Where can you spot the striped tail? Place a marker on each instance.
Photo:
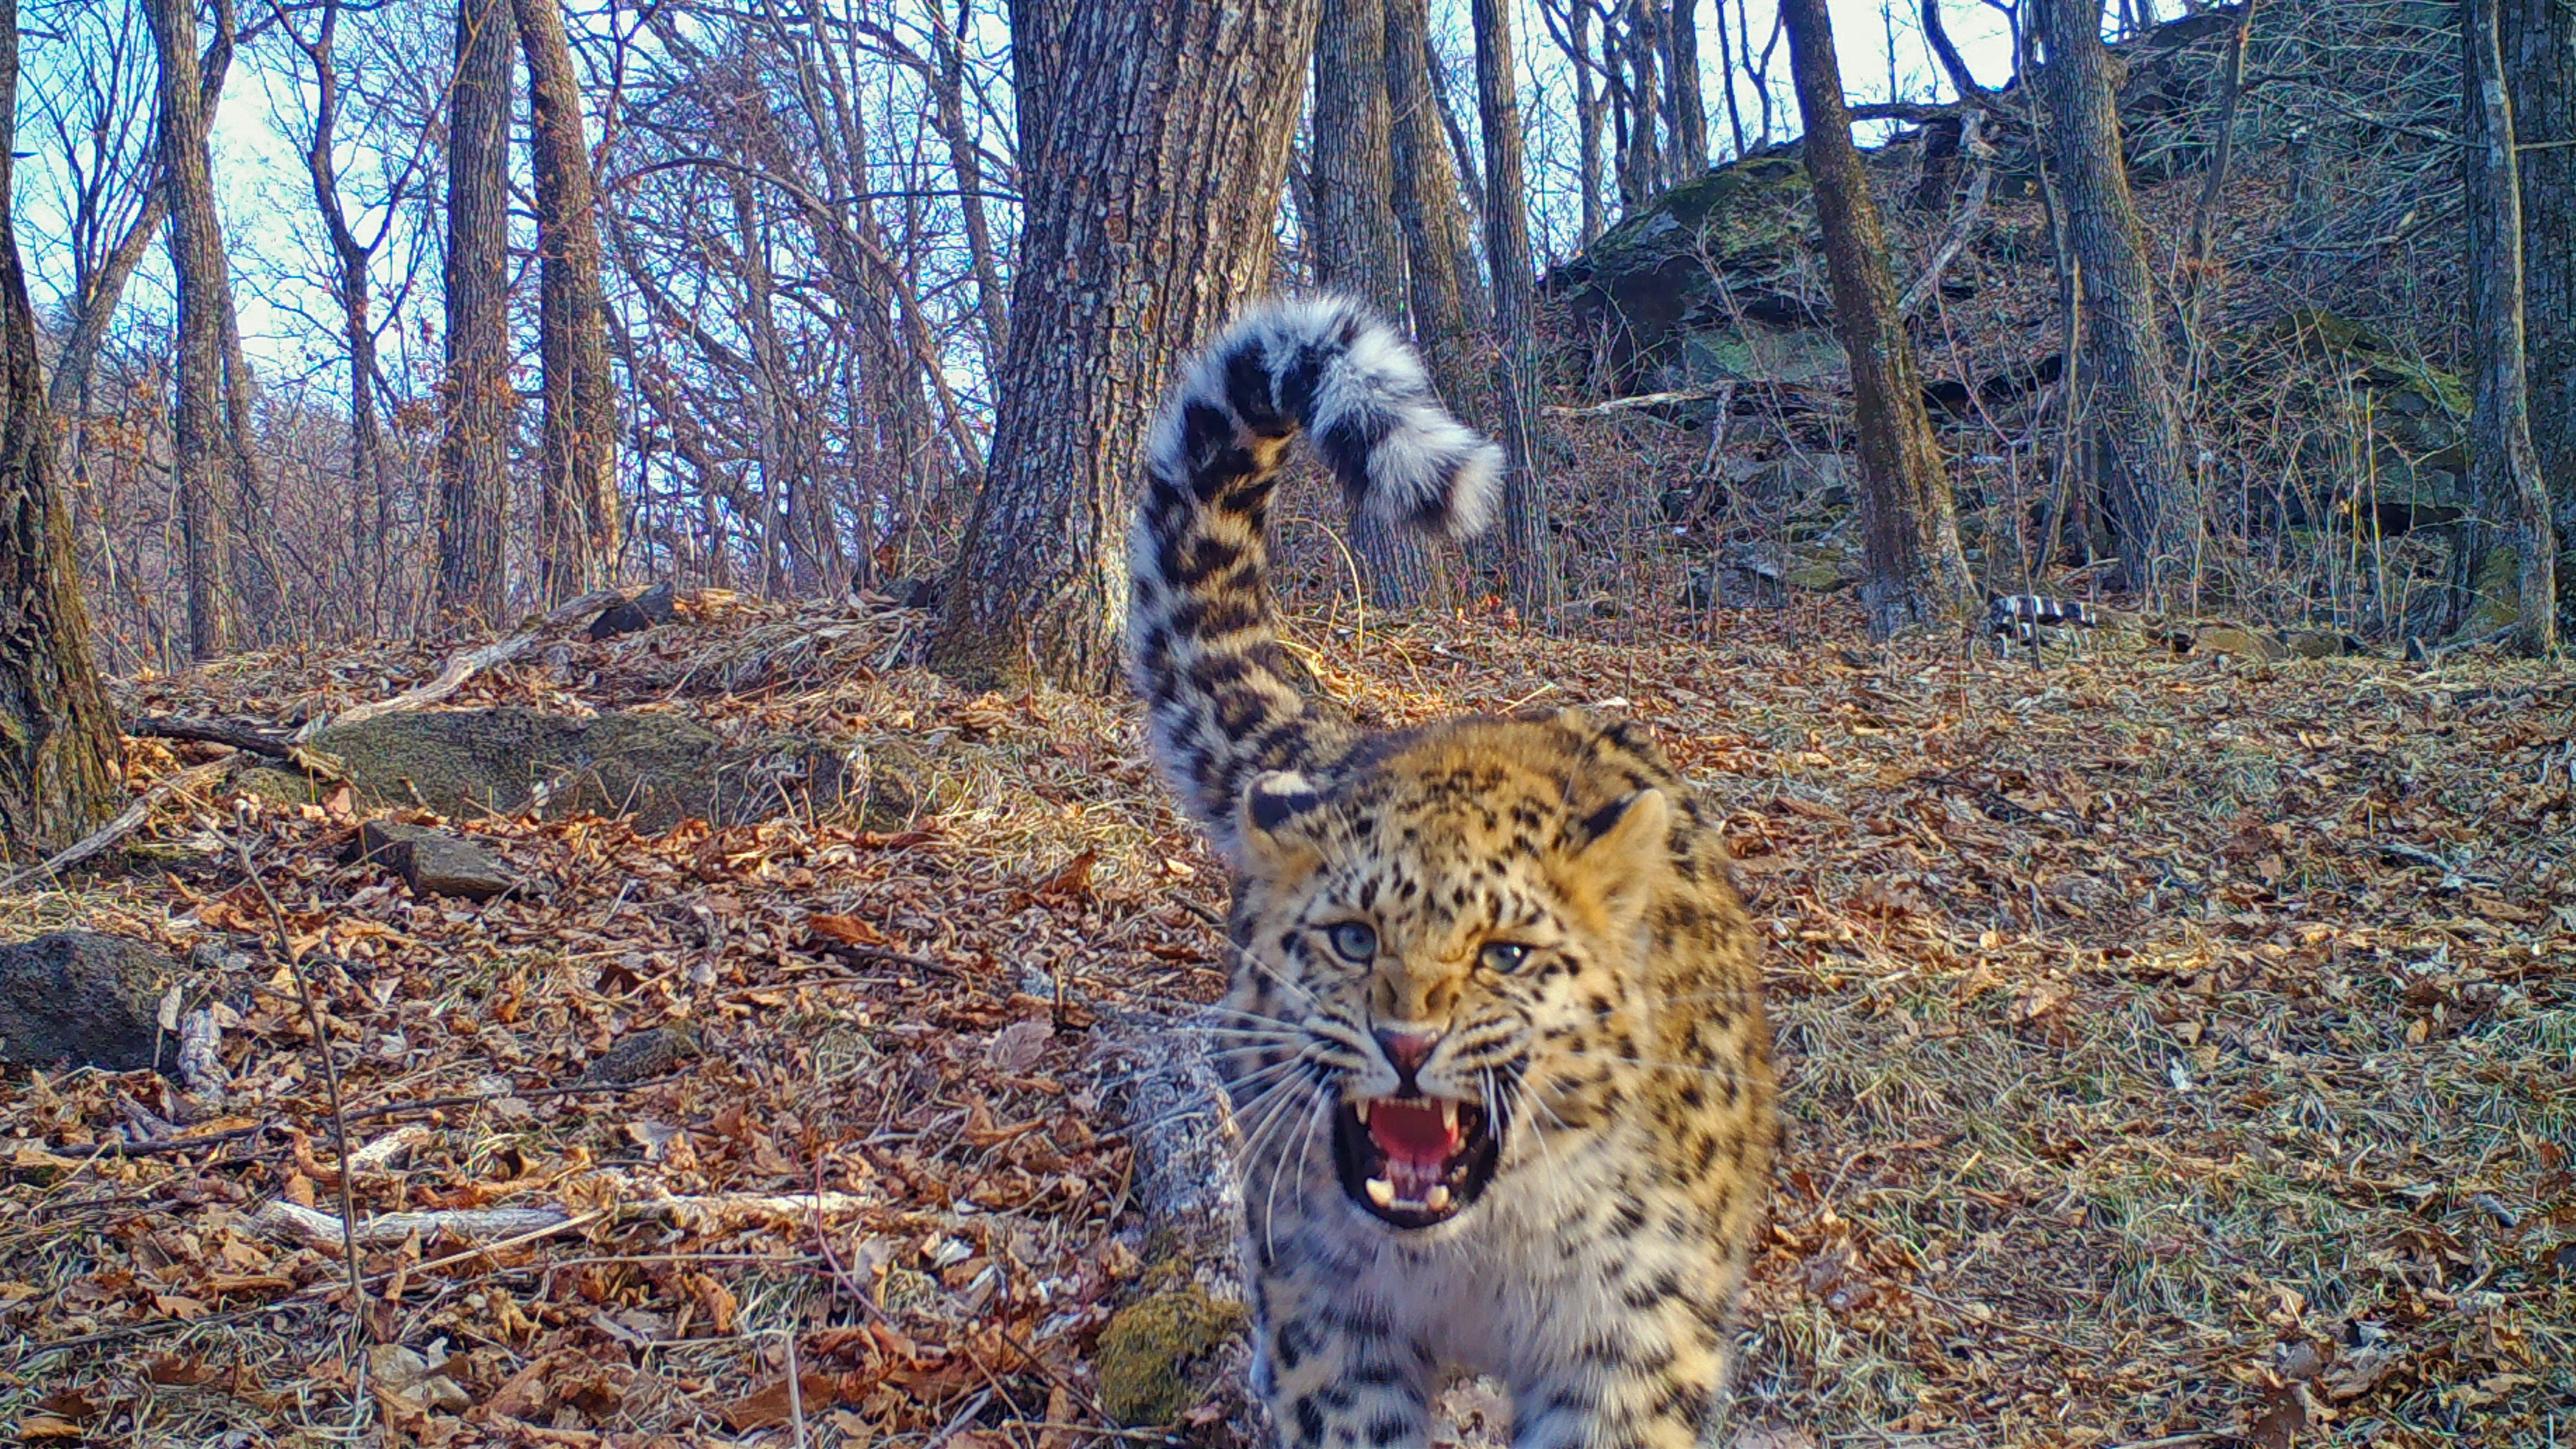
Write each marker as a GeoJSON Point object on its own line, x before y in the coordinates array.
{"type": "Point", "coordinates": [1202, 649]}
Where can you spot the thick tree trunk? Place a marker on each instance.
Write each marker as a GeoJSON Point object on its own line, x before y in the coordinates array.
{"type": "Point", "coordinates": [2511, 503]}
{"type": "Point", "coordinates": [58, 739]}
{"type": "Point", "coordinates": [1357, 248]}
{"type": "Point", "coordinates": [1155, 138]}
{"type": "Point", "coordinates": [1449, 303]}
{"type": "Point", "coordinates": [197, 260]}
{"type": "Point", "coordinates": [474, 465]}
{"type": "Point", "coordinates": [2538, 38]}
{"type": "Point", "coordinates": [1528, 544]}
{"type": "Point", "coordinates": [1682, 82]}
{"type": "Point", "coordinates": [1917, 573]}
{"type": "Point", "coordinates": [577, 506]}
{"type": "Point", "coordinates": [2132, 413]}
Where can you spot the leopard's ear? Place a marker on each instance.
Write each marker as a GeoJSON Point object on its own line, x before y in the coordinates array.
{"type": "Point", "coordinates": [1621, 852]}
{"type": "Point", "coordinates": [1267, 823]}
{"type": "Point", "coordinates": [1626, 833]}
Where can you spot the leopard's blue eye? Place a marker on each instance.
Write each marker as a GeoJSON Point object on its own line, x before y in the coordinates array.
{"type": "Point", "coordinates": [1355, 942]}
{"type": "Point", "coordinates": [1505, 955]}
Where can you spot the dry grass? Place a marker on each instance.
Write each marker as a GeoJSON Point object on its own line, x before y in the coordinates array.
{"type": "Point", "coordinates": [2172, 1048]}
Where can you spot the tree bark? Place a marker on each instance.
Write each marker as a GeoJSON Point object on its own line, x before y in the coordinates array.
{"type": "Point", "coordinates": [1449, 304]}
{"type": "Point", "coordinates": [474, 466]}
{"type": "Point", "coordinates": [1155, 139]}
{"type": "Point", "coordinates": [197, 261]}
{"type": "Point", "coordinates": [1528, 544]}
{"type": "Point", "coordinates": [2132, 412]}
{"type": "Point", "coordinates": [1917, 573]}
{"type": "Point", "coordinates": [1682, 81]}
{"type": "Point", "coordinates": [2538, 38]}
{"type": "Point", "coordinates": [2511, 503]}
{"type": "Point", "coordinates": [58, 739]}
{"type": "Point", "coordinates": [1357, 248]}
{"type": "Point", "coordinates": [577, 506]}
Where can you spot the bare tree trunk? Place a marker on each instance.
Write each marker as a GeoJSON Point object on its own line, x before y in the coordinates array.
{"type": "Point", "coordinates": [1529, 546]}
{"type": "Point", "coordinates": [2133, 412]}
{"type": "Point", "coordinates": [2538, 38]}
{"type": "Point", "coordinates": [1681, 75]}
{"type": "Point", "coordinates": [258, 568]}
{"type": "Point", "coordinates": [1726, 77]}
{"type": "Point", "coordinates": [2512, 544]}
{"type": "Point", "coordinates": [197, 260]}
{"type": "Point", "coordinates": [1917, 573]}
{"type": "Point", "coordinates": [58, 739]}
{"type": "Point", "coordinates": [1357, 247]}
{"type": "Point", "coordinates": [474, 469]}
{"type": "Point", "coordinates": [577, 506]}
{"type": "Point", "coordinates": [1155, 138]}
{"type": "Point", "coordinates": [1449, 306]}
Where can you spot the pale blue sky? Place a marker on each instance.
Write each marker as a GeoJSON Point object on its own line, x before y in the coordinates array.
{"type": "Point", "coordinates": [261, 183]}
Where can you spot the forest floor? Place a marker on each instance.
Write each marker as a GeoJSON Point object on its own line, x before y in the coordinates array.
{"type": "Point", "coordinates": [2176, 1051]}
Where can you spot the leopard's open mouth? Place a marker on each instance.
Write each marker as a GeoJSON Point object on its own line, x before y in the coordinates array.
{"type": "Point", "coordinates": [1415, 1161]}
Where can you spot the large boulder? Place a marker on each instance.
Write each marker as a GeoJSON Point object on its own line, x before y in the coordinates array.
{"type": "Point", "coordinates": [1708, 281]}
{"type": "Point", "coordinates": [660, 769]}
{"type": "Point", "coordinates": [82, 998]}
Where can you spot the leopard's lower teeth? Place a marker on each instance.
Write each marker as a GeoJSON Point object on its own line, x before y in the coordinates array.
{"type": "Point", "coordinates": [1437, 1199]}
{"type": "Point", "coordinates": [1381, 1192]}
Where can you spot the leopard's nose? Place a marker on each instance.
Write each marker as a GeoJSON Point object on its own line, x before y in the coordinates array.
{"type": "Point", "coordinates": [1406, 1051]}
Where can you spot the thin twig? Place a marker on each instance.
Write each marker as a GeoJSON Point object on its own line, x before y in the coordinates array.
{"type": "Point", "coordinates": [330, 1084]}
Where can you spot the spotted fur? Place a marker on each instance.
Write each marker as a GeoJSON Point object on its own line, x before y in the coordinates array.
{"type": "Point", "coordinates": [1541, 897]}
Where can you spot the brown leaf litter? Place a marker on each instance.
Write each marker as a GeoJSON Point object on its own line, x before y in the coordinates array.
{"type": "Point", "coordinates": [2174, 1048]}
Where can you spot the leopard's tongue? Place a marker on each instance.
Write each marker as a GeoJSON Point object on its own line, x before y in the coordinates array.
{"type": "Point", "coordinates": [1416, 1135]}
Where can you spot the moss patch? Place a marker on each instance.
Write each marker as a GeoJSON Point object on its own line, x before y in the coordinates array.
{"type": "Point", "coordinates": [1156, 1355]}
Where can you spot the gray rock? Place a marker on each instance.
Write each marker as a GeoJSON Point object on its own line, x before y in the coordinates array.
{"type": "Point", "coordinates": [83, 998]}
{"type": "Point", "coordinates": [626, 616]}
{"type": "Point", "coordinates": [659, 769]}
{"type": "Point", "coordinates": [434, 862]}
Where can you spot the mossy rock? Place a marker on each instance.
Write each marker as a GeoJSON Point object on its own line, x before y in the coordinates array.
{"type": "Point", "coordinates": [1158, 1356]}
{"type": "Point", "coordinates": [658, 769]}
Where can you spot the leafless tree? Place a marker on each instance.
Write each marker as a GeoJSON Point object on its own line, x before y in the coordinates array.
{"type": "Point", "coordinates": [1354, 239]}
{"type": "Point", "coordinates": [2511, 544]}
{"type": "Point", "coordinates": [197, 259]}
{"type": "Point", "coordinates": [1155, 141]}
{"type": "Point", "coordinates": [1529, 547]}
{"type": "Point", "coordinates": [577, 504]}
{"type": "Point", "coordinates": [2134, 438]}
{"type": "Point", "coordinates": [2538, 39]}
{"type": "Point", "coordinates": [58, 739]}
{"type": "Point", "coordinates": [1910, 524]}
{"type": "Point", "coordinates": [474, 469]}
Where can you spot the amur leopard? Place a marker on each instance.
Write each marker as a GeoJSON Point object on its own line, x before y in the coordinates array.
{"type": "Point", "coordinates": [1494, 1042]}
